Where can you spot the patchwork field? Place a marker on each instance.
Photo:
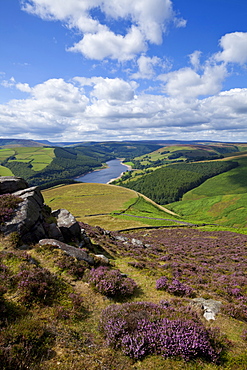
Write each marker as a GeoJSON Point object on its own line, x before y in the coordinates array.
{"type": "Point", "coordinates": [38, 157]}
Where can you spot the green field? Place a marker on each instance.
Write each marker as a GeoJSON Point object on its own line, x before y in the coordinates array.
{"type": "Point", "coordinates": [221, 199]}
{"type": "Point", "coordinates": [4, 171]}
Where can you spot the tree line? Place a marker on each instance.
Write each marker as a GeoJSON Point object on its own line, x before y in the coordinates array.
{"type": "Point", "coordinates": [168, 184]}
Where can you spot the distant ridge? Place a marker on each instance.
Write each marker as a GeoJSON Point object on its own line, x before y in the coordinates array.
{"type": "Point", "coordinates": [11, 143]}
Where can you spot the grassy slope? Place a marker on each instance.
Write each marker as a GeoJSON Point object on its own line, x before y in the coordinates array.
{"type": "Point", "coordinates": [221, 199]}
{"type": "Point", "coordinates": [96, 204]}
{"type": "Point", "coordinates": [4, 171]}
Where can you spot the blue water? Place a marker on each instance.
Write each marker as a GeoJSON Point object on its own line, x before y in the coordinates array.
{"type": "Point", "coordinates": [114, 170]}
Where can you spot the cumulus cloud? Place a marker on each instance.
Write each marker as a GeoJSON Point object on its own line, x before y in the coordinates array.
{"type": "Point", "coordinates": [106, 44]}
{"type": "Point", "coordinates": [187, 83]}
{"type": "Point", "coordinates": [148, 21]}
{"type": "Point", "coordinates": [111, 108]}
{"type": "Point", "coordinates": [146, 67]}
{"type": "Point", "coordinates": [111, 89]}
{"type": "Point", "coordinates": [23, 87]}
{"type": "Point", "coordinates": [234, 47]}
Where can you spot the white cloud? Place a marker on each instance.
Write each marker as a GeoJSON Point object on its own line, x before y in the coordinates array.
{"type": "Point", "coordinates": [187, 83]}
{"type": "Point", "coordinates": [195, 59]}
{"type": "Point", "coordinates": [111, 89]}
{"type": "Point", "coordinates": [234, 47]}
{"type": "Point", "coordinates": [112, 109]}
{"type": "Point", "coordinates": [23, 87]}
{"type": "Point", "coordinates": [148, 18]}
{"type": "Point", "coordinates": [106, 44]}
{"type": "Point", "coordinates": [146, 67]}
{"type": "Point", "coordinates": [8, 83]}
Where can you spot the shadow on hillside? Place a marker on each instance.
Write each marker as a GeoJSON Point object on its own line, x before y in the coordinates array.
{"type": "Point", "coordinates": [239, 179]}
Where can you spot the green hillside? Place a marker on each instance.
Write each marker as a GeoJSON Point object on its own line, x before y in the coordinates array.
{"type": "Point", "coordinates": [108, 206]}
{"type": "Point", "coordinates": [221, 199]}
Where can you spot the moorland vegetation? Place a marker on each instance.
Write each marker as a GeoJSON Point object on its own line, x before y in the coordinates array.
{"type": "Point", "coordinates": [136, 308]}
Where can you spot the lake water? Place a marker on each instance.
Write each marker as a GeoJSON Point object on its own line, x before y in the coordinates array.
{"type": "Point", "coordinates": [113, 171]}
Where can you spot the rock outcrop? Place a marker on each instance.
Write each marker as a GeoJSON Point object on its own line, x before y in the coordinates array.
{"type": "Point", "coordinates": [33, 220]}
{"type": "Point", "coordinates": [10, 184]}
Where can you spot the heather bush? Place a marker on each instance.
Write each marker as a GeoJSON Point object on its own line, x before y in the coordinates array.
{"type": "Point", "coordinates": [37, 285]}
{"type": "Point", "coordinates": [236, 310]}
{"type": "Point", "coordinates": [142, 328]}
{"type": "Point", "coordinates": [174, 287]}
{"type": "Point", "coordinates": [180, 289]}
{"type": "Point", "coordinates": [111, 282]}
{"type": "Point", "coordinates": [8, 204]}
{"type": "Point", "coordinates": [24, 344]}
{"type": "Point", "coordinates": [162, 283]}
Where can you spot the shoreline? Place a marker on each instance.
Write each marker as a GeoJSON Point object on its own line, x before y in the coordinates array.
{"type": "Point", "coordinates": [119, 177]}
{"type": "Point", "coordinates": [129, 168]}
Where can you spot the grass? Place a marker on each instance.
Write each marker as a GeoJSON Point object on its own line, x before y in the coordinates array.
{"type": "Point", "coordinates": [4, 171]}
{"type": "Point", "coordinates": [111, 207]}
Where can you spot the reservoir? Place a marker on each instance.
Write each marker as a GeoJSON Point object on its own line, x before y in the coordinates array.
{"type": "Point", "coordinates": [114, 170]}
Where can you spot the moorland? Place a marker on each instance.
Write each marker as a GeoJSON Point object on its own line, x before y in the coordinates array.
{"type": "Point", "coordinates": [167, 247]}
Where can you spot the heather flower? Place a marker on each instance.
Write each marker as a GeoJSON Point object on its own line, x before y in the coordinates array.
{"type": "Point", "coordinates": [175, 287]}
{"type": "Point", "coordinates": [162, 283]}
{"type": "Point", "coordinates": [180, 289]}
{"type": "Point", "coordinates": [111, 282]}
{"type": "Point", "coordinates": [140, 329]}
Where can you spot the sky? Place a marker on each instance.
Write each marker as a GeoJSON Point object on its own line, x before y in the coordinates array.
{"type": "Point", "coordinates": [103, 70]}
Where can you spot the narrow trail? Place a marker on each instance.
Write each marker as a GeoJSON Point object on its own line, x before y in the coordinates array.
{"type": "Point", "coordinates": [162, 219]}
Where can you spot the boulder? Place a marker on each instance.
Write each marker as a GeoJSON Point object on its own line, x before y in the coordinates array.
{"type": "Point", "coordinates": [77, 253]}
{"type": "Point", "coordinates": [67, 224]}
{"type": "Point", "coordinates": [11, 184]}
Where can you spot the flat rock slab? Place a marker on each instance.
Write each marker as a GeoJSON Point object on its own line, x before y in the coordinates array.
{"type": "Point", "coordinates": [77, 253]}
{"type": "Point", "coordinates": [210, 307]}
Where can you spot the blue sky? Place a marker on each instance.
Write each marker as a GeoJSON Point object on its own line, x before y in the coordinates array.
{"type": "Point", "coordinates": [99, 70]}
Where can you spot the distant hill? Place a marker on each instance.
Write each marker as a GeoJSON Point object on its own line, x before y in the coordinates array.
{"type": "Point", "coordinates": [13, 143]}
